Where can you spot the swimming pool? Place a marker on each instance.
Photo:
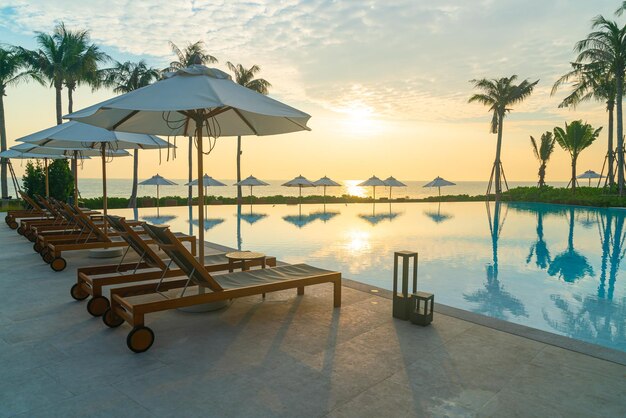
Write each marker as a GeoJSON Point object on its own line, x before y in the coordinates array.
{"type": "Point", "coordinates": [551, 267]}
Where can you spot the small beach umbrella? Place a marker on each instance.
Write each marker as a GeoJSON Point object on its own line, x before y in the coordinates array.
{"type": "Point", "coordinates": [207, 182]}
{"type": "Point", "coordinates": [439, 182]}
{"type": "Point", "coordinates": [251, 181]}
{"type": "Point", "coordinates": [589, 174]}
{"type": "Point", "coordinates": [391, 183]}
{"type": "Point", "coordinates": [79, 136]}
{"type": "Point", "coordinates": [373, 182]}
{"type": "Point", "coordinates": [157, 181]}
{"type": "Point", "coordinates": [326, 182]}
{"type": "Point", "coordinates": [299, 182]}
{"type": "Point", "coordinates": [198, 101]}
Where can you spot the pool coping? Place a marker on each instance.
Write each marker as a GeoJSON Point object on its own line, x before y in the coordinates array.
{"type": "Point", "coordinates": [589, 349]}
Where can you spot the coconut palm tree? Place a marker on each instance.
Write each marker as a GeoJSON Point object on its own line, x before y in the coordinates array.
{"type": "Point", "coordinates": [81, 60]}
{"type": "Point", "coordinates": [574, 139]}
{"type": "Point", "coordinates": [123, 78]}
{"type": "Point", "coordinates": [191, 54]}
{"type": "Point", "coordinates": [592, 81]}
{"type": "Point", "coordinates": [543, 153]}
{"type": "Point", "coordinates": [605, 47]}
{"type": "Point", "coordinates": [499, 95]}
{"type": "Point", "coordinates": [246, 77]}
{"type": "Point", "coordinates": [12, 72]}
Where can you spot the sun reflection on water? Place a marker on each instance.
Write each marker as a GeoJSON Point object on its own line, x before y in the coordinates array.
{"type": "Point", "coordinates": [354, 190]}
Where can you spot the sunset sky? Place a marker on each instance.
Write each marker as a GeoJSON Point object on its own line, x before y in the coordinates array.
{"type": "Point", "coordinates": [386, 83]}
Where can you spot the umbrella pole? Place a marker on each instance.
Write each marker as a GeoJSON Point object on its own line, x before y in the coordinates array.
{"type": "Point", "coordinates": [199, 124]}
{"type": "Point", "coordinates": [104, 187]}
{"type": "Point", "coordinates": [390, 187]}
{"type": "Point", "coordinates": [250, 197]}
{"type": "Point", "coordinates": [76, 178]}
{"type": "Point", "coordinates": [324, 196]}
{"type": "Point", "coordinates": [45, 160]}
{"type": "Point", "coordinates": [374, 187]}
{"type": "Point", "coordinates": [158, 214]}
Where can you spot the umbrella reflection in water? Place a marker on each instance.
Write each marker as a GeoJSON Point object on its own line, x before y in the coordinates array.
{"type": "Point", "coordinates": [438, 216]}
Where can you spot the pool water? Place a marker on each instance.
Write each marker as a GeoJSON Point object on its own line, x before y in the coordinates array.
{"type": "Point", "coordinates": [552, 267]}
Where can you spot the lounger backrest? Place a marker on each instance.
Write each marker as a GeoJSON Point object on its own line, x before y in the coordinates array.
{"type": "Point", "coordinates": [133, 239]}
{"type": "Point", "coordinates": [46, 204]}
{"type": "Point", "coordinates": [26, 198]}
{"type": "Point", "coordinates": [86, 222]}
{"type": "Point", "coordinates": [181, 256]}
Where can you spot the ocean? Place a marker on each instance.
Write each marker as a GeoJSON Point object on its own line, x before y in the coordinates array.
{"type": "Point", "coordinates": [122, 187]}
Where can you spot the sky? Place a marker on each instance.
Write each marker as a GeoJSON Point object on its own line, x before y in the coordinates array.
{"type": "Point", "coordinates": [387, 83]}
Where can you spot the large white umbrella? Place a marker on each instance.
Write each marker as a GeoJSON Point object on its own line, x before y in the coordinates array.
{"type": "Point", "coordinates": [199, 100]}
{"type": "Point", "coordinates": [299, 182]}
{"type": "Point", "coordinates": [157, 181]}
{"type": "Point", "coordinates": [373, 182]}
{"type": "Point", "coordinates": [79, 136]}
{"type": "Point", "coordinates": [251, 181]}
{"type": "Point", "coordinates": [12, 153]}
{"type": "Point", "coordinates": [439, 182]}
{"type": "Point", "coordinates": [75, 154]}
{"type": "Point", "coordinates": [589, 174]}
{"type": "Point", "coordinates": [208, 181]}
{"type": "Point", "coordinates": [391, 182]}
{"type": "Point", "coordinates": [326, 182]}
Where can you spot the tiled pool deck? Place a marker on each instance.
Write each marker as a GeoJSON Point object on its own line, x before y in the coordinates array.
{"type": "Point", "coordinates": [285, 356]}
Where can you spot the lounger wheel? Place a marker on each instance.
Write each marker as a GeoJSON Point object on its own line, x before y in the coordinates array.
{"type": "Point", "coordinates": [37, 247]}
{"type": "Point", "coordinates": [47, 257]}
{"type": "Point", "coordinates": [13, 224]}
{"type": "Point", "coordinates": [31, 237]}
{"type": "Point", "coordinates": [78, 293]}
{"type": "Point", "coordinates": [20, 230]}
{"type": "Point", "coordinates": [140, 339]}
{"type": "Point", "coordinates": [58, 264]}
{"type": "Point", "coordinates": [111, 320]}
{"type": "Point", "coordinates": [7, 219]}
{"type": "Point", "coordinates": [97, 305]}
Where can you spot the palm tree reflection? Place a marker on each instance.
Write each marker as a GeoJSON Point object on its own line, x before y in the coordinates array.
{"type": "Point", "coordinates": [493, 300]}
{"type": "Point", "coordinates": [539, 248]}
{"type": "Point", "coordinates": [570, 265]}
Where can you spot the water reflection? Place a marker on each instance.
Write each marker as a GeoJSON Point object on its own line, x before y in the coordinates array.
{"type": "Point", "coordinates": [250, 217]}
{"type": "Point", "coordinates": [570, 265]}
{"type": "Point", "coordinates": [301, 220]}
{"type": "Point", "coordinates": [209, 223]}
{"type": "Point", "coordinates": [493, 300]}
{"type": "Point", "coordinates": [612, 236]}
{"type": "Point", "coordinates": [375, 218]}
{"type": "Point", "coordinates": [539, 249]}
{"type": "Point", "coordinates": [159, 219]}
{"type": "Point", "coordinates": [437, 216]}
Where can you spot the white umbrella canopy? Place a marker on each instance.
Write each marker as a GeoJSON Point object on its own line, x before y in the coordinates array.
{"type": "Point", "coordinates": [79, 136]}
{"type": "Point", "coordinates": [392, 182]}
{"type": "Point", "coordinates": [326, 182]}
{"type": "Point", "coordinates": [439, 182]}
{"type": "Point", "coordinates": [157, 181]}
{"type": "Point", "coordinates": [207, 180]}
{"type": "Point", "coordinates": [251, 181]}
{"type": "Point", "coordinates": [373, 182]}
{"type": "Point", "coordinates": [589, 174]}
{"type": "Point", "coordinates": [52, 154]}
{"type": "Point", "coordinates": [299, 182]}
{"type": "Point", "coordinates": [195, 100]}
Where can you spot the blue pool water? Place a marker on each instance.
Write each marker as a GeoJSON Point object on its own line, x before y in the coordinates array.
{"type": "Point", "coordinates": [552, 267]}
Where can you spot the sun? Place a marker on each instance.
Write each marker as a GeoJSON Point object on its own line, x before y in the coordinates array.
{"type": "Point", "coordinates": [360, 119]}
{"type": "Point", "coordinates": [354, 190]}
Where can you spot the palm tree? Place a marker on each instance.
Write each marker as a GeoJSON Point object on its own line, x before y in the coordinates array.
{"type": "Point", "coordinates": [12, 71]}
{"type": "Point", "coordinates": [543, 153]}
{"type": "Point", "coordinates": [606, 48]}
{"type": "Point", "coordinates": [245, 77]}
{"type": "Point", "coordinates": [192, 54]}
{"type": "Point", "coordinates": [574, 139]}
{"type": "Point", "coordinates": [81, 60]}
{"type": "Point", "coordinates": [499, 94]}
{"type": "Point", "coordinates": [593, 82]}
{"type": "Point", "coordinates": [123, 78]}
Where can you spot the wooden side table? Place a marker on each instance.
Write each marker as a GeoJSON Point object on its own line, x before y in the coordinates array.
{"type": "Point", "coordinates": [243, 256]}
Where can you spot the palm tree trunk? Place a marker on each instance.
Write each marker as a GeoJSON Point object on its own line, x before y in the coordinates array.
{"type": "Point", "coordinates": [542, 174]}
{"type": "Point", "coordinates": [59, 109]}
{"type": "Point", "coordinates": [238, 168]}
{"type": "Point", "coordinates": [611, 156]}
{"type": "Point", "coordinates": [190, 172]}
{"type": "Point", "coordinates": [574, 173]}
{"type": "Point", "coordinates": [3, 147]}
{"type": "Point", "coordinates": [132, 203]}
{"type": "Point", "coordinates": [497, 162]}
{"type": "Point", "coordinates": [620, 133]}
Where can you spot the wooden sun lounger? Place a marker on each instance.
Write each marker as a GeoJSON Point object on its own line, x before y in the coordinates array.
{"type": "Point", "coordinates": [93, 238]}
{"type": "Point", "coordinates": [91, 280]}
{"type": "Point", "coordinates": [35, 211]}
{"type": "Point", "coordinates": [131, 303]}
{"type": "Point", "coordinates": [62, 221]}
